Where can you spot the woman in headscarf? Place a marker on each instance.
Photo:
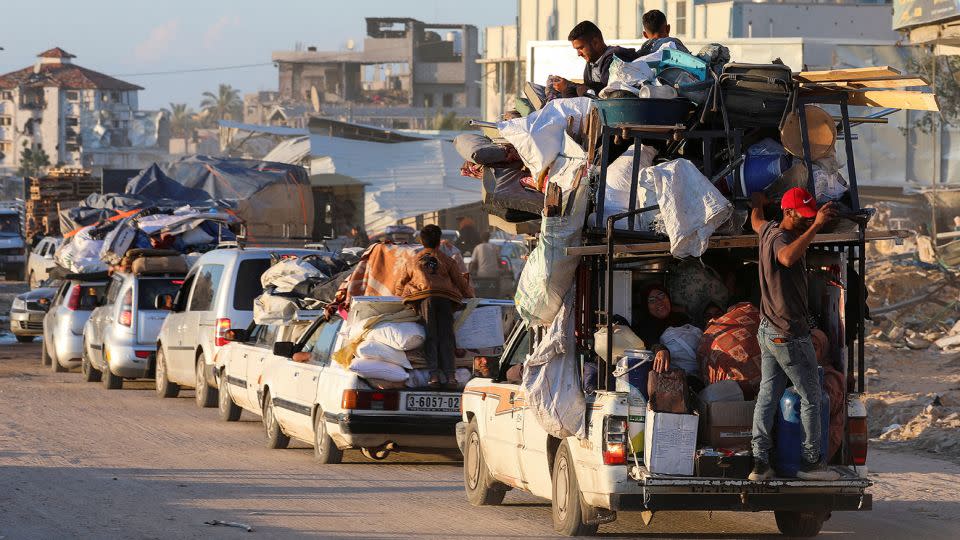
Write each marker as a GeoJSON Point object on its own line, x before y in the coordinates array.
{"type": "Point", "coordinates": [660, 316]}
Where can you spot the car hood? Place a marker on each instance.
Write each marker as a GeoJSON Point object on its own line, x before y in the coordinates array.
{"type": "Point", "coordinates": [36, 294]}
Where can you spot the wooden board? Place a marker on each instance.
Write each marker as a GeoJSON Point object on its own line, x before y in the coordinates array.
{"type": "Point", "coordinates": [852, 74]}
{"type": "Point", "coordinates": [904, 81]}
{"type": "Point", "coordinates": [726, 242]}
{"type": "Point", "coordinates": [895, 99]}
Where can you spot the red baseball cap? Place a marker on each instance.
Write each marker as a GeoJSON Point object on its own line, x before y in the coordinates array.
{"type": "Point", "coordinates": [800, 200]}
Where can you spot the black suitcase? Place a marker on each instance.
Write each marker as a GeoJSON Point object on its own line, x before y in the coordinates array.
{"type": "Point", "coordinates": [756, 95]}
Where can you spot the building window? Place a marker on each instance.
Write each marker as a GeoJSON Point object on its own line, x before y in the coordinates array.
{"type": "Point", "coordinates": [5, 148]}
{"type": "Point", "coordinates": [72, 121]}
{"type": "Point", "coordinates": [6, 94]}
{"type": "Point", "coordinates": [115, 97]}
{"type": "Point", "coordinates": [5, 121]}
{"type": "Point", "coordinates": [73, 147]}
{"type": "Point", "coordinates": [681, 18]}
{"type": "Point", "coordinates": [447, 99]}
{"type": "Point", "coordinates": [73, 95]}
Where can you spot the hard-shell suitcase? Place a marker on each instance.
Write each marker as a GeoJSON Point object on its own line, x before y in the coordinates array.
{"type": "Point", "coordinates": [756, 95]}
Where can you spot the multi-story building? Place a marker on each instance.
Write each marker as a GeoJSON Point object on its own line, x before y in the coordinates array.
{"type": "Point", "coordinates": [505, 56]}
{"type": "Point", "coordinates": [406, 71]}
{"type": "Point", "coordinates": [76, 115]}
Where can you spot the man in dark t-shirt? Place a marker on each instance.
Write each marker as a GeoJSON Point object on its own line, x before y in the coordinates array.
{"type": "Point", "coordinates": [787, 352]}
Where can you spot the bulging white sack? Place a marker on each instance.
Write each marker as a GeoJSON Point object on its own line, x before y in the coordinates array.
{"type": "Point", "coordinates": [372, 350]}
{"type": "Point", "coordinates": [378, 369]}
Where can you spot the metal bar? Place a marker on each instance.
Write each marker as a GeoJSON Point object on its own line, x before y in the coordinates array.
{"type": "Point", "coordinates": [604, 159]}
{"type": "Point", "coordinates": [805, 139]}
{"type": "Point", "coordinates": [847, 338]}
{"type": "Point", "coordinates": [633, 181]}
{"type": "Point", "coordinates": [848, 144]}
{"type": "Point", "coordinates": [861, 309]}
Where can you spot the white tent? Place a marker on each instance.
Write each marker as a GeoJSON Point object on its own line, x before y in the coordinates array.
{"type": "Point", "coordinates": [402, 179]}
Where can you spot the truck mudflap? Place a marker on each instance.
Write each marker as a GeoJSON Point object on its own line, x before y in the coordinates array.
{"type": "Point", "coordinates": [663, 492]}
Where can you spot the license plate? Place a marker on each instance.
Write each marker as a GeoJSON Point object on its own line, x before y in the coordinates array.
{"type": "Point", "coordinates": [433, 403]}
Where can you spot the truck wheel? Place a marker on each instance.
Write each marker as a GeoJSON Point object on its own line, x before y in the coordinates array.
{"type": "Point", "coordinates": [229, 411]}
{"type": "Point", "coordinates": [276, 438]}
{"type": "Point", "coordinates": [45, 358]}
{"type": "Point", "coordinates": [24, 339]}
{"type": "Point", "coordinates": [205, 394]}
{"type": "Point", "coordinates": [90, 373]}
{"type": "Point", "coordinates": [165, 388]}
{"type": "Point", "coordinates": [569, 510]}
{"type": "Point", "coordinates": [799, 524]}
{"type": "Point", "coordinates": [324, 449]}
{"type": "Point", "coordinates": [481, 488]}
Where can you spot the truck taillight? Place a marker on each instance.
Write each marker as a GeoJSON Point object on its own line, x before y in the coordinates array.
{"type": "Point", "coordinates": [142, 354]}
{"type": "Point", "coordinates": [73, 301]}
{"type": "Point", "coordinates": [370, 400]}
{"type": "Point", "coordinates": [615, 432]}
{"type": "Point", "coordinates": [857, 437]}
{"type": "Point", "coordinates": [126, 315]}
{"type": "Point", "coordinates": [221, 332]}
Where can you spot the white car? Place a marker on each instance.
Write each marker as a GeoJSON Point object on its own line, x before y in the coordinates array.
{"type": "Point", "coordinates": [216, 295]}
{"type": "Point", "coordinates": [41, 260]}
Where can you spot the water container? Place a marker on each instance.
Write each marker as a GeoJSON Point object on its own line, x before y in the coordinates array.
{"type": "Point", "coordinates": [788, 431]}
{"type": "Point", "coordinates": [632, 371]}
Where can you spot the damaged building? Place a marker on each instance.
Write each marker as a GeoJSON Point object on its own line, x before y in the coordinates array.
{"type": "Point", "coordinates": [406, 71]}
{"type": "Point", "coordinates": [78, 116]}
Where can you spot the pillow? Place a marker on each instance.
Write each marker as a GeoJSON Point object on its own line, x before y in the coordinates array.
{"type": "Point", "coordinates": [479, 149]}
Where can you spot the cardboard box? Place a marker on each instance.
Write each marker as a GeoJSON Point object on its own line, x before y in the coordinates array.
{"type": "Point", "coordinates": [727, 424]}
{"type": "Point", "coordinates": [670, 442]}
{"type": "Point", "coordinates": [482, 328]}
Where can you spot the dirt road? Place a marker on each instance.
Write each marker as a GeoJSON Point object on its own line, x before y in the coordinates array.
{"type": "Point", "coordinates": [80, 461]}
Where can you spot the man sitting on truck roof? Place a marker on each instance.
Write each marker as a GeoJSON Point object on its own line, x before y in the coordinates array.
{"type": "Point", "coordinates": [657, 33]}
{"type": "Point", "coordinates": [434, 286]}
{"type": "Point", "coordinates": [588, 41]}
{"type": "Point", "coordinates": [786, 347]}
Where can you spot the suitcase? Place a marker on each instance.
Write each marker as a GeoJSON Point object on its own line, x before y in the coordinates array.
{"type": "Point", "coordinates": [668, 391]}
{"type": "Point", "coordinates": [756, 95]}
{"type": "Point", "coordinates": [172, 264]}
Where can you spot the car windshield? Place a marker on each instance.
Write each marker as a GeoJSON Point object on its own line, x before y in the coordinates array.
{"type": "Point", "coordinates": [9, 225]}
{"type": "Point", "coordinates": [150, 289]}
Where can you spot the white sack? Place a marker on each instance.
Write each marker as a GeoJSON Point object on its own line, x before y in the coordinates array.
{"type": "Point", "coordinates": [377, 369]}
{"type": "Point", "coordinates": [551, 379]}
{"type": "Point", "coordinates": [154, 223]}
{"type": "Point", "coordinates": [270, 309]}
{"type": "Point", "coordinates": [402, 336]}
{"type": "Point", "coordinates": [616, 198]}
{"type": "Point", "coordinates": [373, 350]}
{"type": "Point", "coordinates": [287, 274]}
{"type": "Point", "coordinates": [539, 137]}
{"type": "Point", "coordinates": [81, 254]}
{"type": "Point", "coordinates": [196, 237]}
{"type": "Point", "coordinates": [627, 76]}
{"type": "Point", "coordinates": [682, 342]}
{"type": "Point", "coordinates": [549, 271]}
{"type": "Point", "coordinates": [691, 208]}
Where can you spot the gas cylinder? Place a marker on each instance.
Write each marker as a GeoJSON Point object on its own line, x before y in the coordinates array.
{"type": "Point", "coordinates": [788, 430]}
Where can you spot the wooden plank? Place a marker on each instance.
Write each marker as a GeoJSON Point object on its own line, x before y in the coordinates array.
{"type": "Point", "coordinates": [727, 242]}
{"type": "Point", "coordinates": [852, 74]}
{"type": "Point", "coordinates": [895, 99]}
{"type": "Point", "coordinates": [904, 81]}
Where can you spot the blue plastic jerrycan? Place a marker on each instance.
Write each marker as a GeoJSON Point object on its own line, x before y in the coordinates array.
{"type": "Point", "coordinates": [789, 431]}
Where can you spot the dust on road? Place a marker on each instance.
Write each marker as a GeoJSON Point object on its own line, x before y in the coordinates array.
{"type": "Point", "coordinates": [80, 461]}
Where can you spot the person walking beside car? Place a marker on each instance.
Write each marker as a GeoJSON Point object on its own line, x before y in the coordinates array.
{"type": "Point", "coordinates": [485, 259]}
{"type": "Point", "coordinates": [433, 285]}
{"type": "Point", "coordinates": [787, 352]}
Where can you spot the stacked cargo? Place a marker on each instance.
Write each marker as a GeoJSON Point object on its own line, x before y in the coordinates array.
{"type": "Point", "coordinates": [58, 190]}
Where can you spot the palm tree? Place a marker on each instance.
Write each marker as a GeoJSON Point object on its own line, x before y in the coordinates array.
{"type": "Point", "coordinates": [225, 105]}
{"type": "Point", "coordinates": [182, 120]}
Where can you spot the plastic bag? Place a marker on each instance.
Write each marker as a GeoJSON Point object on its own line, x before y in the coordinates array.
{"type": "Point", "coordinates": [682, 342]}
{"type": "Point", "coordinates": [626, 76]}
{"type": "Point", "coordinates": [373, 350]}
{"type": "Point", "coordinates": [691, 208]}
{"type": "Point", "coordinates": [378, 369]}
{"type": "Point", "coordinates": [827, 180]}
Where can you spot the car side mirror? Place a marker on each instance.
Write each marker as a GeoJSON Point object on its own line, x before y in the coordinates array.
{"type": "Point", "coordinates": [163, 301]}
{"type": "Point", "coordinates": [236, 334]}
{"type": "Point", "coordinates": [284, 349]}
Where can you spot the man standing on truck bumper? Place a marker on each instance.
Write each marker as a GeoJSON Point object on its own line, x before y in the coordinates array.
{"type": "Point", "coordinates": [785, 344]}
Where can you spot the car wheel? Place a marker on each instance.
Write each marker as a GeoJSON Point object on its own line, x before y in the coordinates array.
{"type": "Point", "coordinates": [481, 488]}
{"type": "Point", "coordinates": [55, 365]}
{"type": "Point", "coordinates": [44, 355]}
{"type": "Point", "coordinates": [569, 510]}
{"type": "Point", "coordinates": [276, 438]}
{"type": "Point", "coordinates": [90, 373]}
{"type": "Point", "coordinates": [205, 394]}
{"type": "Point", "coordinates": [324, 449]}
{"type": "Point", "coordinates": [799, 524]}
{"type": "Point", "coordinates": [229, 411]}
{"type": "Point", "coordinates": [24, 339]}
{"type": "Point", "coordinates": [165, 388]}
{"type": "Point", "coordinates": [111, 381]}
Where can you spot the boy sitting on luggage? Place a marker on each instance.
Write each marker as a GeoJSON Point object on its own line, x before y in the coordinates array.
{"type": "Point", "coordinates": [433, 285]}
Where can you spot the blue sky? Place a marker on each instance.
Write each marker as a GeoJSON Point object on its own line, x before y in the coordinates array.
{"type": "Point", "coordinates": [122, 38]}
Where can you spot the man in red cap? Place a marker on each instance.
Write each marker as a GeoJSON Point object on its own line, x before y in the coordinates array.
{"type": "Point", "coordinates": [786, 347]}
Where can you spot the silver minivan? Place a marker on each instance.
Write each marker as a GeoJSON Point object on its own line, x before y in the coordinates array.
{"type": "Point", "coordinates": [216, 295]}
{"type": "Point", "coordinates": [120, 338]}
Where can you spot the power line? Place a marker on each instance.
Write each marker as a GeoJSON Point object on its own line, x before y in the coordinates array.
{"type": "Point", "coordinates": [194, 70]}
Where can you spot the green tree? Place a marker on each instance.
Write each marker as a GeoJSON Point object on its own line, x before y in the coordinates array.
{"type": "Point", "coordinates": [32, 162]}
{"type": "Point", "coordinates": [182, 120]}
{"type": "Point", "coordinates": [447, 121]}
{"type": "Point", "coordinates": [224, 105]}
{"type": "Point", "coordinates": [943, 72]}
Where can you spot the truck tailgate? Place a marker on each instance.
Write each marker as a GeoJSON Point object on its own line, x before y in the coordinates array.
{"type": "Point", "coordinates": [665, 492]}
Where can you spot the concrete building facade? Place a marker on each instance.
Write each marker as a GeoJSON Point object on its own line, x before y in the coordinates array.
{"type": "Point", "coordinates": [77, 116]}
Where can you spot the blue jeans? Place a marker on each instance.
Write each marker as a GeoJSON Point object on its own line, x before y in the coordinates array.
{"type": "Point", "coordinates": [784, 358]}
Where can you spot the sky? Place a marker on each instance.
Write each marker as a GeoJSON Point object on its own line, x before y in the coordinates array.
{"type": "Point", "coordinates": [128, 39]}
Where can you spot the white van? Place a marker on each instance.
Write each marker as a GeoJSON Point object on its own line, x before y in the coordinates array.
{"type": "Point", "coordinates": [216, 295]}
